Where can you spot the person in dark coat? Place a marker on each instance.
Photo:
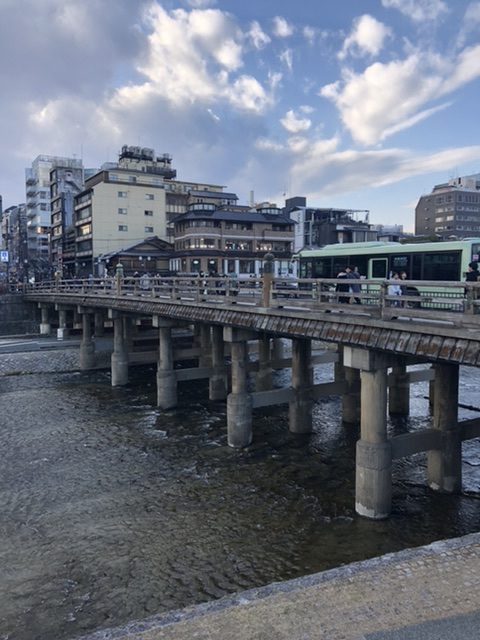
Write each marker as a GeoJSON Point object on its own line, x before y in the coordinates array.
{"type": "Point", "coordinates": [344, 274]}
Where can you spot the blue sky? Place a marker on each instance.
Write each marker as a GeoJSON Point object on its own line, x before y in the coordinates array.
{"type": "Point", "coordinates": [359, 104]}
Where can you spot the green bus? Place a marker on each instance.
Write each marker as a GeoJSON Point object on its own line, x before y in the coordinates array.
{"type": "Point", "coordinates": [447, 261]}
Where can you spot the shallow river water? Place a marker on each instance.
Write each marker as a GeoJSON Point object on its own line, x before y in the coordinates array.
{"type": "Point", "coordinates": [112, 510]}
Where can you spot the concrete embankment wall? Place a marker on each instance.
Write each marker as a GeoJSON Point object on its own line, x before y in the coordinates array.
{"type": "Point", "coordinates": [17, 317]}
{"type": "Point", "coordinates": [429, 592]}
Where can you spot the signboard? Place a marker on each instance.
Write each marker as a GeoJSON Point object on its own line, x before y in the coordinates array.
{"type": "Point", "coordinates": [3, 256]}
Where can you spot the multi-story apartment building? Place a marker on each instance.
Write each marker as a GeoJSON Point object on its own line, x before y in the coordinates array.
{"type": "Point", "coordinates": [14, 236]}
{"type": "Point", "coordinates": [65, 184]}
{"type": "Point", "coordinates": [214, 239]}
{"type": "Point", "coordinates": [37, 179]}
{"type": "Point", "coordinates": [316, 227]}
{"type": "Point", "coordinates": [451, 210]}
{"type": "Point", "coordinates": [135, 199]}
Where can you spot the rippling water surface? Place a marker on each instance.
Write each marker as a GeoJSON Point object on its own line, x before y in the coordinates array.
{"type": "Point", "coordinates": [113, 510]}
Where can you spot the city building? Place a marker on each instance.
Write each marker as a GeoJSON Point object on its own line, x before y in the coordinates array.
{"type": "Point", "coordinates": [37, 181]}
{"type": "Point", "coordinates": [125, 203]}
{"type": "Point", "coordinates": [316, 227]}
{"type": "Point", "coordinates": [451, 210]}
{"type": "Point", "coordinates": [14, 241]}
{"type": "Point", "coordinates": [65, 184]}
{"type": "Point", "coordinates": [151, 256]}
{"type": "Point", "coordinates": [212, 239]}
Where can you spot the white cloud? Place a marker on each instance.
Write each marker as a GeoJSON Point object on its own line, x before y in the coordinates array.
{"type": "Point", "coordinates": [388, 97]}
{"type": "Point", "coordinates": [418, 10]}
{"type": "Point", "coordinates": [287, 58]}
{"type": "Point", "coordinates": [281, 28]}
{"type": "Point", "coordinates": [258, 37]}
{"type": "Point", "coordinates": [309, 34]}
{"type": "Point", "coordinates": [201, 4]}
{"type": "Point", "coordinates": [470, 23]}
{"type": "Point", "coordinates": [366, 38]}
{"type": "Point", "coordinates": [293, 124]}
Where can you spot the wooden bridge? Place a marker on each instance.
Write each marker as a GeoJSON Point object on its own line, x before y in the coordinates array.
{"type": "Point", "coordinates": [377, 338]}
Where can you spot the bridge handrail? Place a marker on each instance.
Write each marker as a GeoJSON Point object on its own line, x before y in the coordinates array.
{"type": "Point", "coordinates": [422, 298]}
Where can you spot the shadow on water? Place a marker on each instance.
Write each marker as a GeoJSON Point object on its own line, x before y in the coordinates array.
{"type": "Point", "coordinates": [113, 510]}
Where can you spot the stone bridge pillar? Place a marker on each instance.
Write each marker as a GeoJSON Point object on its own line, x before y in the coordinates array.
{"type": "Point", "coordinates": [239, 401]}
{"type": "Point", "coordinates": [166, 378]}
{"type": "Point", "coordinates": [351, 399]}
{"type": "Point", "coordinates": [278, 351]}
{"type": "Point", "coordinates": [445, 464]}
{"type": "Point", "coordinates": [218, 379]}
{"type": "Point", "coordinates": [264, 374]}
{"type": "Point", "coordinates": [373, 483]}
{"type": "Point", "coordinates": [62, 331]}
{"type": "Point", "coordinates": [399, 391]}
{"type": "Point", "coordinates": [119, 360]}
{"type": "Point", "coordinates": [99, 324]}
{"type": "Point", "coordinates": [87, 346]}
{"type": "Point", "coordinates": [205, 359]}
{"type": "Point", "coordinates": [45, 326]}
{"type": "Point", "coordinates": [300, 410]}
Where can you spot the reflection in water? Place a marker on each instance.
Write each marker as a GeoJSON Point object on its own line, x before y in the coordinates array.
{"type": "Point", "coordinates": [113, 510]}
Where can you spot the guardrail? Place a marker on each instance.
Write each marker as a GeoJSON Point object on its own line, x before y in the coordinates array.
{"type": "Point", "coordinates": [456, 303]}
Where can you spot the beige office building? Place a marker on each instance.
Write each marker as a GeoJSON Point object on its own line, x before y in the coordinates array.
{"type": "Point", "coordinates": [127, 202]}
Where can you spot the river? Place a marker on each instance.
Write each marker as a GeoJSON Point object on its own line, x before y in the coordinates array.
{"type": "Point", "coordinates": [113, 510]}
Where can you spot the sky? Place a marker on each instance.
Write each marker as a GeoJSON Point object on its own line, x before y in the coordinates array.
{"type": "Point", "coordinates": [363, 104]}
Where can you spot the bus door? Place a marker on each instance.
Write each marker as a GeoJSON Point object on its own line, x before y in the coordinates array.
{"type": "Point", "coordinates": [378, 268]}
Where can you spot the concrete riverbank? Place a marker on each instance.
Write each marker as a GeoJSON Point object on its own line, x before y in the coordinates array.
{"type": "Point", "coordinates": [428, 593]}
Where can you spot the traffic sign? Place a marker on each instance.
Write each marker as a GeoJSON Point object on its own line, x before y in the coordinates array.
{"type": "Point", "coordinates": [3, 256]}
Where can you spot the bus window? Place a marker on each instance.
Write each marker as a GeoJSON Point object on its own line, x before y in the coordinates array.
{"type": "Point", "coordinates": [399, 264]}
{"type": "Point", "coordinates": [322, 268]}
{"type": "Point", "coordinates": [442, 266]}
{"type": "Point", "coordinates": [416, 267]}
{"type": "Point", "coordinates": [475, 252]}
{"type": "Point", "coordinates": [378, 268]}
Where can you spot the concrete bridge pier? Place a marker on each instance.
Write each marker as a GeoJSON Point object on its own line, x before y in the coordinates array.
{"type": "Point", "coordinates": [300, 408]}
{"type": "Point", "coordinates": [399, 390]}
{"type": "Point", "coordinates": [445, 464]}
{"type": "Point", "coordinates": [62, 331]}
{"type": "Point", "coordinates": [218, 380]}
{"type": "Point", "coordinates": [99, 324]}
{"type": "Point", "coordinates": [351, 398]}
{"type": "Point", "coordinates": [264, 373]}
{"type": "Point", "coordinates": [45, 326]}
{"type": "Point", "coordinates": [373, 481]}
{"type": "Point", "coordinates": [87, 346]}
{"type": "Point", "coordinates": [119, 360]}
{"type": "Point", "coordinates": [278, 349]}
{"type": "Point", "coordinates": [205, 339]}
{"type": "Point", "coordinates": [166, 378]}
{"type": "Point", "coordinates": [239, 401]}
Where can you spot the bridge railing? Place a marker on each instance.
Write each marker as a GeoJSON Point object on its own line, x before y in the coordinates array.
{"type": "Point", "coordinates": [457, 303]}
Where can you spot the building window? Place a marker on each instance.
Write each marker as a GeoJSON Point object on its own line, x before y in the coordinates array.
{"type": "Point", "coordinates": [148, 212]}
{"type": "Point", "coordinates": [122, 211]}
{"type": "Point", "coordinates": [148, 229]}
{"type": "Point", "coordinates": [123, 227]}
{"type": "Point", "coordinates": [132, 178]}
{"type": "Point", "coordinates": [149, 196]}
{"type": "Point", "coordinates": [122, 194]}
{"type": "Point", "coordinates": [113, 176]}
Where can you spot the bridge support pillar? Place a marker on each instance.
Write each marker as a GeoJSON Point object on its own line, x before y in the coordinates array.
{"type": "Point", "coordinates": [338, 368]}
{"type": "Point", "coordinates": [218, 379]}
{"type": "Point", "coordinates": [239, 401]}
{"type": "Point", "coordinates": [99, 324]}
{"type": "Point", "coordinates": [373, 482]}
{"type": "Point", "coordinates": [278, 349]}
{"type": "Point", "coordinates": [300, 409]}
{"type": "Point", "coordinates": [45, 327]}
{"type": "Point", "coordinates": [445, 464]}
{"type": "Point", "coordinates": [205, 359]}
{"type": "Point", "coordinates": [166, 379]}
{"type": "Point", "coordinates": [264, 374]}
{"type": "Point", "coordinates": [87, 347]}
{"type": "Point", "coordinates": [399, 391]}
{"type": "Point", "coordinates": [62, 331]}
{"type": "Point", "coordinates": [351, 399]}
{"type": "Point", "coordinates": [119, 360]}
